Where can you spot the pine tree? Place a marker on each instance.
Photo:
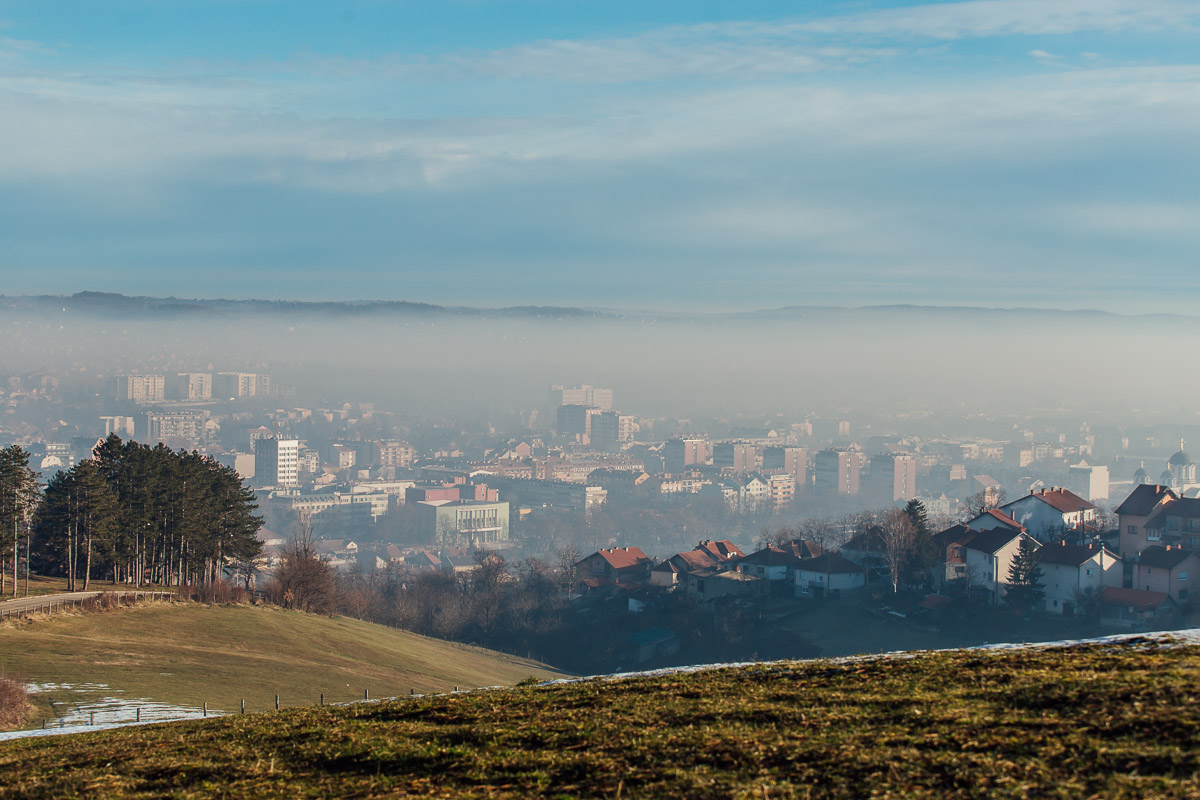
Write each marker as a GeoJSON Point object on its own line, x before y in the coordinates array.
{"type": "Point", "coordinates": [1025, 588]}
{"type": "Point", "coordinates": [19, 495]}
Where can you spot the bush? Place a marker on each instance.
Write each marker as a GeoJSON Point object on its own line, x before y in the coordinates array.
{"type": "Point", "coordinates": [14, 704]}
{"type": "Point", "coordinates": [105, 601]}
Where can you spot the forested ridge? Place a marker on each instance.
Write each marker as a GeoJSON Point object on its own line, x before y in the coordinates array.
{"type": "Point", "coordinates": [131, 514]}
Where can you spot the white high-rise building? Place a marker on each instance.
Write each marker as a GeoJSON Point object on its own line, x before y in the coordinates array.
{"type": "Point", "coordinates": [277, 462]}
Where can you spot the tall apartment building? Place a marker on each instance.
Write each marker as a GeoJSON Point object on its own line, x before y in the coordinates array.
{"type": "Point", "coordinates": [736, 456]}
{"type": "Point", "coordinates": [121, 426]}
{"type": "Point", "coordinates": [573, 420]}
{"type": "Point", "coordinates": [792, 460]}
{"type": "Point", "coordinates": [837, 471]}
{"type": "Point", "coordinates": [277, 462]}
{"type": "Point", "coordinates": [679, 454]}
{"type": "Point", "coordinates": [395, 453]}
{"type": "Point", "coordinates": [228, 385]}
{"type": "Point", "coordinates": [189, 386]}
{"type": "Point", "coordinates": [892, 478]}
{"type": "Point", "coordinates": [140, 388]}
{"type": "Point", "coordinates": [585, 395]}
{"type": "Point", "coordinates": [186, 425]}
{"type": "Point", "coordinates": [605, 433]}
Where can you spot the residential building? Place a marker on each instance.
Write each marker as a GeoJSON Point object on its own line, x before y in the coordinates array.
{"type": "Point", "coordinates": [988, 559]}
{"type": "Point", "coordinates": [1051, 514]}
{"type": "Point", "coordinates": [735, 456]}
{"type": "Point", "coordinates": [1136, 510]}
{"type": "Point", "coordinates": [140, 388]}
{"type": "Point", "coordinates": [585, 395]}
{"type": "Point", "coordinates": [674, 570]}
{"type": "Point", "coordinates": [837, 471]}
{"type": "Point", "coordinates": [462, 523]}
{"type": "Point", "coordinates": [1073, 574]}
{"type": "Point", "coordinates": [238, 385]}
{"type": "Point", "coordinates": [187, 426]}
{"type": "Point", "coordinates": [277, 462]}
{"type": "Point", "coordinates": [1170, 569]}
{"type": "Point", "coordinates": [395, 453]}
{"type": "Point", "coordinates": [608, 567]}
{"type": "Point", "coordinates": [121, 426]}
{"type": "Point", "coordinates": [827, 575]}
{"type": "Point", "coordinates": [792, 460]}
{"type": "Point", "coordinates": [1088, 481]}
{"type": "Point", "coordinates": [892, 478]}
{"type": "Point", "coordinates": [189, 386]}
{"type": "Point", "coordinates": [679, 454]}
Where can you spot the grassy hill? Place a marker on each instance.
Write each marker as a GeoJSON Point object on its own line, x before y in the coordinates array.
{"type": "Point", "coordinates": [1100, 719]}
{"type": "Point", "coordinates": [187, 654]}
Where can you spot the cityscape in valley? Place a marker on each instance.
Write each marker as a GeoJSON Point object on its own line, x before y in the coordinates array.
{"type": "Point", "coordinates": [599, 399]}
{"type": "Point", "coordinates": [669, 539]}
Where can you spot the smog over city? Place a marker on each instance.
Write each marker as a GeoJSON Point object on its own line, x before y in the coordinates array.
{"type": "Point", "coordinates": [592, 399]}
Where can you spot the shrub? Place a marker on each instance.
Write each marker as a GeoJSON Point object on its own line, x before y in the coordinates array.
{"type": "Point", "coordinates": [14, 704]}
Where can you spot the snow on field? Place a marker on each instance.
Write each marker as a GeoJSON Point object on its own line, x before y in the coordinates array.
{"type": "Point", "coordinates": [85, 707]}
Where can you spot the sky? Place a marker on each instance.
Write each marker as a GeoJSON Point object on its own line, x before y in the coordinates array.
{"type": "Point", "coordinates": [615, 154]}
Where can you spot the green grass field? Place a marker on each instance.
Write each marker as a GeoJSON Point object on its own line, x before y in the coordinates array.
{"type": "Point", "coordinates": [189, 654]}
{"type": "Point", "coordinates": [1100, 720]}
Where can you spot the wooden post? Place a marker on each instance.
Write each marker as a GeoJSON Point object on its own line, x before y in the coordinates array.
{"type": "Point", "coordinates": [92, 718]}
{"type": "Point", "coordinates": [139, 713]}
{"type": "Point", "coordinates": [206, 709]}
{"type": "Point", "coordinates": [276, 702]}
{"type": "Point", "coordinates": [366, 695]}
{"type": "Point", "coordinates": [243, 705]}
{"type": "Point", "coordinates": [322, 698]}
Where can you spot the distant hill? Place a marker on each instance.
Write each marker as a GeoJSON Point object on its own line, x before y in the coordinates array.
{"type": "Point", "coordinates": [106, 304]}
{"type": "Point", "coordinates": [1103, 719]}
{"type": "Point", "coordinates": [189, 654]}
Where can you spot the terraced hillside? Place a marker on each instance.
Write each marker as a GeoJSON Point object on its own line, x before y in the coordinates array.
{"type": "Point", "coordinates": [1100, 719]}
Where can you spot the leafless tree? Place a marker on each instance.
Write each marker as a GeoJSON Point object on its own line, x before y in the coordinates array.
{"type": "Point", "coordinates": [303, 581]}
{"type": "Point", "coordinates": [898, 535]}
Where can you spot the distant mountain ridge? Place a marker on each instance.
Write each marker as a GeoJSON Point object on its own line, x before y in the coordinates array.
{"type": "Point", "coordinates": [120, 305]}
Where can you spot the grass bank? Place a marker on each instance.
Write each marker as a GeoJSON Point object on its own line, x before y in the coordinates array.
{"type": "Point", "coordinates": [1096, 720]}
{"type": "Point", "coordinates": [190, 654]}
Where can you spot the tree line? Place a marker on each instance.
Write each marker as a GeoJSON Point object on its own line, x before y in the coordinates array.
{"type": "Point", "coordinates": [131, 513]}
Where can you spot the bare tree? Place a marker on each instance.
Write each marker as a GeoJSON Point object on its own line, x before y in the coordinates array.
{"type": "Point", "coordinates": [899, 536]}
{"type": "Point", "coordinates": [567, 559]}
{"type": "Point", "coordinates": [303, 581]}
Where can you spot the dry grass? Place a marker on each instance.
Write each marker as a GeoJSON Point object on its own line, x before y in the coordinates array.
{"type": "Point", "coordinates": [1092, 721]}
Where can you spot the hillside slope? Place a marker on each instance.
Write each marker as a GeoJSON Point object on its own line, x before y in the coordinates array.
{"type": "Point", "coordinates": [1114, 720]}
{"type": "Point", "coordinates": [187, 654]}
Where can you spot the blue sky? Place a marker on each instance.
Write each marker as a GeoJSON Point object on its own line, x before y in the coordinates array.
{"type": "Point", "coordinates": [618, 154]}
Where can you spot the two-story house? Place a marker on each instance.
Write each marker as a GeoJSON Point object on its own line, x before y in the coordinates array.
{"type": "Point", "coordinates": [1073, 574]}
{"type": "Point", "coordinates": [1172, 570]}
{"type": "Point", "coordinates": [1051, 514]}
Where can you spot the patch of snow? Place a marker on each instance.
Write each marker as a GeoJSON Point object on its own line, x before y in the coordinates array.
{"type": "Point", "coordinates": [94, 707]}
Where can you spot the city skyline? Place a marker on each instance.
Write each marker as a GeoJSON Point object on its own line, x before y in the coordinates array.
{"type": "Point", "coordinates": [685, 156]}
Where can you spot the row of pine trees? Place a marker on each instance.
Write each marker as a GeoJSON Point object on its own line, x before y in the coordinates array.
{"type": "Point", "coordinates": [130, 514]}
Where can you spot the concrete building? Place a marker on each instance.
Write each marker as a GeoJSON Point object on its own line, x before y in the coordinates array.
{"type": "Point", "coordinates": [395, 453]}
{"type": "Point", "coordinates": [679, 454]}
{"type": "Point", "coordinates": [735, 456]}
{"type": "Point", "coordinates": [238, 385]}
{"type": "Point", "coordinates": [837, 471]}
{"type": "Point", "coordinates": [188, 426]}
{"type": "Point", "coordinates": [140, 388]}
{"type": "Point", "coordinates": [606, 430]}
{"type": "Point", "coordinates": [892, 478]}
{"type": "Point", "coordinates": [792, 460]}
{"type": "Point", "coordinates": [585, 395]}
{"type": "Point", "coordinates": [1051, 514]}
{"type": "Point", "coordinates": [1088, 481]}
{"type": "Point", "coordinates": [462, 523]}
{"type": "Point", "coordinates": [189, 386]}
{"type": "Point", "coordinates": [277, 462]}
{"type": "Point", "coordinates": [1074, 574]}
{"type": "Point", "coordinates": [121, 426]}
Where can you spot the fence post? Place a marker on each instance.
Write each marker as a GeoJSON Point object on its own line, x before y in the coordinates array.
{"type": "Point", "coordinates": [243, 705]}
{"type": "Point", "coordinates": [206, 709]}
{"type": "Point", "coordinates": [322, 698]}
{"type": "Point", "coordinates": [276, 702]}
{"type": "Point", "coordinates": [139, 713]}
{"type": "Point", "coordinates": [366, 695]}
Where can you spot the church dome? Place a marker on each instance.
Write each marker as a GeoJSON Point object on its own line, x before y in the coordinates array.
{"type": "Point", "coordinates": [1180, 459]}
{"type": "Point", "coordinates": [1166, 479]}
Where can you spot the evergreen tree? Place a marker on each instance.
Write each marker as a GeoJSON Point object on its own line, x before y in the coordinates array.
{"type": "Point", "coordinates": [1025, 588]}
{"type": "Point", "coordinates": [19, 496]}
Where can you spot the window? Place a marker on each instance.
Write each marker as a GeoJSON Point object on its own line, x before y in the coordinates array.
{"type": "Point", "coordinates": [1131, 530]}
{"type": "Point", "coordinates": [820, 579]}
{"type": "Point", "coordinates": [1183, 577]}
{"type": "Point", "coordinates": [1089, 571]}
{"type": "Point", "coordinates": [1183, 594]}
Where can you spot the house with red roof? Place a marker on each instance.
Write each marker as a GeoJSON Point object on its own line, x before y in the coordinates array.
{"type": "Point", "coordinates": [1051, 514]}
{"type": "Point", "coordinates": [675, 569]}
{"type": "Point", "coordinates": [988, 557]}
{"type": "Point", "coordinates": [1136, 608]}
{"type": "Point", "coordinates": [616, 565]}
{"type": "Point", "coordinates": [721, 549]}
{"type": "Point", "coordinates": [995, 518]}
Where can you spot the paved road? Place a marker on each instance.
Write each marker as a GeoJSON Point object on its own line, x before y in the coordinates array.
{"type": "Point", "coordinates": [22, 604]}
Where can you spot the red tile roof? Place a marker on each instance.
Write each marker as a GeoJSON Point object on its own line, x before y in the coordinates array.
{"type": "Point", "coordinates": [1162, 558]}
{"type": "Point", "coordinates": [992, 540]}
{"type": "Point", "coordinates": [624, 557]}
{"type": "Point", "coordinates": [1063, 501]}
{"type": "Point", "coordinates": [1005, 519]}
{"type": "Point", "coordinates": [1138, 599]}
{"type": "Point", "coordinates": [829, 563]}
{"type": "Point", "coordinates": [720, 549]}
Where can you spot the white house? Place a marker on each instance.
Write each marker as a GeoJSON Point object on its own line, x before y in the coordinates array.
{"type": "Point", "coordinates": [1071, 573]}
{"type": "Point", "coordinates": [989, 556]}
{"type": "Point", "coordinates": [1048, 514]}
{"type": "Point", "coordinates": [828, 573]}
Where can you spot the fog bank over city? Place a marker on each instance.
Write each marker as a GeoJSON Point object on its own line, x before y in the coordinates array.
{"type": "Point", "coordinates": [429, 359]}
